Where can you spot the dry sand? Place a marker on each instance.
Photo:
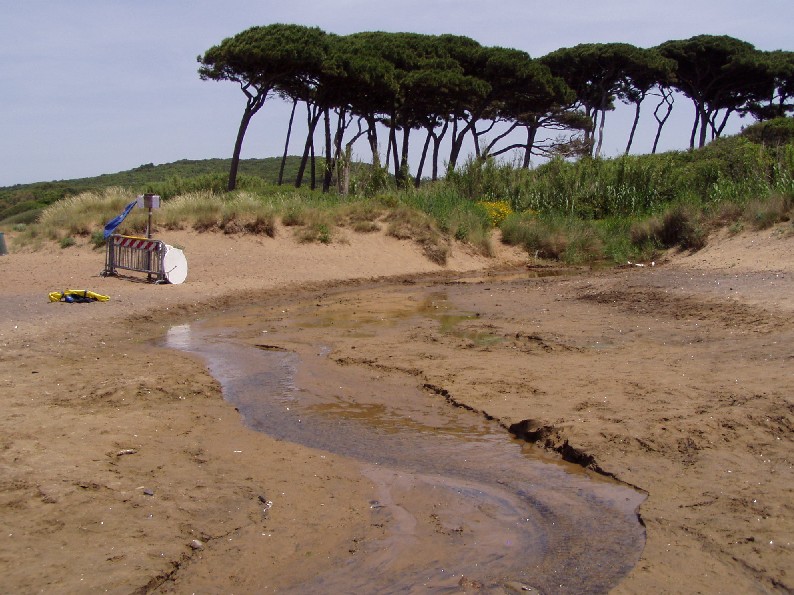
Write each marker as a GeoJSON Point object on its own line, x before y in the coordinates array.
{"type": "Point", "coordinates": [115, 455]}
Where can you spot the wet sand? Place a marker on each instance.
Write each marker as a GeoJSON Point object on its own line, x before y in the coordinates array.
{"type": "Point", "coordinates": [458, 499]}
{"type": "Point", "coordinates": [116, 455]}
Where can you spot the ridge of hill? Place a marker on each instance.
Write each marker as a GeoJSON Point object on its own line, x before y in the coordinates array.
{"type": "Point", "coordinates": [20, 198]}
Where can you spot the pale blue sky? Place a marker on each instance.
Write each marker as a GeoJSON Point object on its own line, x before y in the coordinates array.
{"type": "Point", "coordinates": [97, 86]}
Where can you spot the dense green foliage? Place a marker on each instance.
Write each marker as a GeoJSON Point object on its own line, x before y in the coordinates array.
{"type": "Point", "coordinates": [260, 60]}
{"type": "Point", "coordinates": [403, 81]}
{"type": "Point", "coordinates": [779, 131]}
{"type": "Point", "coordinates": [599, 73]}
{"type": "Point", "coordinates": [720, 74]}
{"type": "Point", "coordinates": [452, 87]}
{"type": "Point", "coordinates": [732, 168]}
{"type": "Point", "coordinates": [630, 207]}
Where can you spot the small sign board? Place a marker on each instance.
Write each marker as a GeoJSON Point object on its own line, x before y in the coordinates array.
{"type": "Point", "coordinates": [149, 201]}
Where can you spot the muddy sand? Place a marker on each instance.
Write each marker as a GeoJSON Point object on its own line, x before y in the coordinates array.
{"type": "Point", "coordinates": [123, 469]}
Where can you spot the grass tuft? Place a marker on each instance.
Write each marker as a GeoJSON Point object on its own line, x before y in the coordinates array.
{"type": "Point", "coordinates": [318, 226]}
{"type": "Point", "coordinates": [408, 224]}
{"type": "Point", "coordinates": [763, 214]}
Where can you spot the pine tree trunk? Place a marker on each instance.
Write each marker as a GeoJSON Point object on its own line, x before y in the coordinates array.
{"type": "Point", "coordinates": [238, 145]}
{"type": "Point", "coordinates": [313, 184]}
{"type": "Point", "coordinates": [286, 143]}
{"type": "Point", "coordinates": [328, 159]}
{"type": "Point", "coordinates": [372, 139]}
{"type": "Point", "coordinates": [457, 144]}
{"type": "Point", "coordinates": [393, 150]}
{"type": "Point", "coordinates": [404, 169]}
{"type": "Point", "coordinates": [532, 131]}
{"type": "Point", "coordinates": [311, 120]}
{"type": "Point", "coordinates": [666, 98]}
{"type": "Point", "coordinates": [343, 178]}
{"type": "Point", "coordinates": [437, 148]}
{"type": "Point", "coordinates": [418, 179]}
{"type": "Point", "coordinates": [633, 127]}
{"type": "Point", "coordinates": [704, 122]}
{"type": "Point", "coordinates": [695, 126]}
{"type": "Point", "coordinates": [718, 130]}
{"type": "Point", "coordinates": [600, 134]}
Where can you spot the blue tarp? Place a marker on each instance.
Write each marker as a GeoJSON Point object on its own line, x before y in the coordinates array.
{"type": "Point", "coordinates": [115, 222]}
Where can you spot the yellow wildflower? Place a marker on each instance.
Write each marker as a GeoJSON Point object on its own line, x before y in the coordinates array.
{"type": "Point", "coordinates": [497, 210]}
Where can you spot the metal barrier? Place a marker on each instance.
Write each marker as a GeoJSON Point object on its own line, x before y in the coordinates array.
{"type": "Point", "coordinates": [132, 253]}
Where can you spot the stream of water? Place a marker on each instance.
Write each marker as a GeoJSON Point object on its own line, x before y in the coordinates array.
{"type": "Point", "coordinates": [465, 504]}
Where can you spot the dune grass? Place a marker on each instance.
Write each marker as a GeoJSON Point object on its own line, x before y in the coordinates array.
{"type": "Point", "coordinates": [587, 211]}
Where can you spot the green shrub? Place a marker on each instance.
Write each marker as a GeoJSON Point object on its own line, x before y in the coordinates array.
{"type": "Point", "coordinates": [24, 218]}
{"type": "Point", "coordinates": [583, 245]}
{"type": "Point", "coordinates": [553, 237]}
{"type": "Point", "coordinates": [317, 231]}
{"type": "Point", "coordinates": [763, 214]}
{"type": "Point", "coordinates": [262, 225]}
{"type": "Point", "coordinates": [725, 213]}
{"type": "Point", "coordinates": [369, 180]}
{"type": "Point", "coordinates": [644, 232]}
{"type": "Point", "coordinates": [779, 131]}
{"type": "Point", "coordinates": [25, 210]}
{"type": "Point", "coordinates": [318, 226]}
{"type": "Point", "coordinates": [728, 169]}
{"type": "Point", "coordinates": [98, 239]}
{"type": "Point", "coordinates": [365, 226]}
{"type": "Point", "coordinates": [575, 211]}
{"type": "Point", "coordinates": [623, 241]}
{"type": "Point", "coordinates": [489, 180]}
{"type": "Point", "coordinates": [323, 233]}
{"type": "Point", "coordinates": [472, 227]}
{"type": "Point", "coordinates": [67, 242]}
{"type": "Point", "coordinates": [294, 215]}
{"type": "Point", "coordinates": [678, 227]}
{"type": "Point", "coordinates": [243, 212]}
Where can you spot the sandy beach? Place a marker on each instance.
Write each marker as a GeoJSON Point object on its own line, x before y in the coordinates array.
{"type": "Point", "coordinates": [123, 469]}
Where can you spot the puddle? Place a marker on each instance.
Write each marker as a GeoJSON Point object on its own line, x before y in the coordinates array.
{"type": "Point", "coordinates": [465, 505]}
{"type": "Point", "coordinates": [438, 307]}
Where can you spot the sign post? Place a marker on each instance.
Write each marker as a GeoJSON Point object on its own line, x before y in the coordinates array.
{"type": "Point", "coordinates": [149, 201]}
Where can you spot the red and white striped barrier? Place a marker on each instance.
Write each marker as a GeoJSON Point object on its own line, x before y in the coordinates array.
{"type": "Point", "coordinates": [136, 243]}
{"type": "Point", "coordinates": [132, 253]}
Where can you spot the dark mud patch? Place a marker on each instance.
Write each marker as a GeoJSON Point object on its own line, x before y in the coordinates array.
{"type": "Point", "coordinates": [552, 439]}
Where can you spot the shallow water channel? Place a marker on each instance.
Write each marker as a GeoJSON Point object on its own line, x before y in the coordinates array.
{"type": "Point", "coordinates": [464, 504]}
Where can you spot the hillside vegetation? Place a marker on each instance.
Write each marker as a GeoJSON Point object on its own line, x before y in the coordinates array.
{"type": "Point", "coordinates": [584, 211]}
{"type": "Point", "coordinates": [168, 180]}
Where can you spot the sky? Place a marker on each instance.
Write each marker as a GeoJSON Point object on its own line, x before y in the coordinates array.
{"type": "Point", "coordinates": [89, 87]}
